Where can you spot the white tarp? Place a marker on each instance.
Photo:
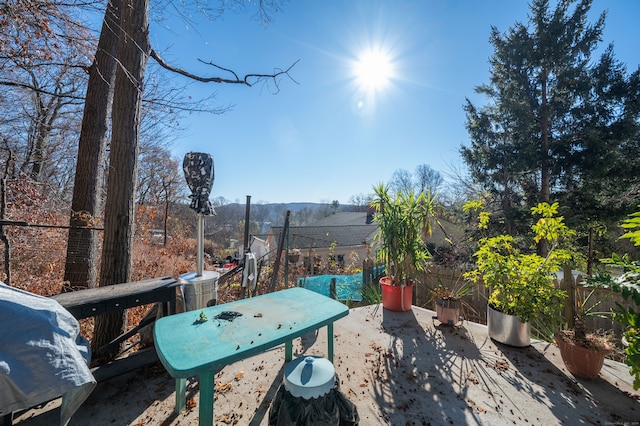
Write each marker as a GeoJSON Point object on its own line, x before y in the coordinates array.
{"type": "Point", "coordinates": [260, 248]}
{"type": "Point", "coordinates": [42, 355]}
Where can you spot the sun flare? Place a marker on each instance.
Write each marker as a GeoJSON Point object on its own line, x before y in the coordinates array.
{"type": "Point", "coordinates": [373, 70]}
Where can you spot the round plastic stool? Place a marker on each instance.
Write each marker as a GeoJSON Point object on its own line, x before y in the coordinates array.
{"type": "Point", "coordinates": [309, 377]}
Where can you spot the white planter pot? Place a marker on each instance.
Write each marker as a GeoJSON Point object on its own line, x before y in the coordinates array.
{"type": "Point", "coordinates": [507, 329]}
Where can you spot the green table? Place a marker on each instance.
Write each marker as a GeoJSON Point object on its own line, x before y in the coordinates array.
{"type": "Point", "coordinates": [188, 347]}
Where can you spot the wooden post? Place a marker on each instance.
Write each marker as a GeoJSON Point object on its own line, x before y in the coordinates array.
{"type": "Point", "coordinates": [367, 272]}
{"type": "Point", "coordinates": [285, 230]}
{"type": "Point", "coordinates": [286, 259]}
{"type": "Point", "coordinates": [332, 289]}
{"type": "Point", "coordinates": [568, 286]}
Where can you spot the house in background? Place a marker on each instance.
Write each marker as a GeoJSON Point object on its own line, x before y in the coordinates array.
{"type": "Point", "coordinates": [349, 238]}
{"type": "Point", "coordinates": [344, 237]}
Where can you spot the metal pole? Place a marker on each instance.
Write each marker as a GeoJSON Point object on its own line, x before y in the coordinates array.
{"type": "Point", "coordinates": [199, 245]}
{"type": "Point", "coordinates": [286, 262]}
{"type": "Point", "coordinates": [247, 216]}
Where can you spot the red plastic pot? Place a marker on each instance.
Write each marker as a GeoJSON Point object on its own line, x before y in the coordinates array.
{"type": "Point", "coordinates": [396, 298]}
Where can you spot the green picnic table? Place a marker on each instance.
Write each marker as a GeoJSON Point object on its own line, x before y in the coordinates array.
{"type": "Point", "coordinates": [190, 347]}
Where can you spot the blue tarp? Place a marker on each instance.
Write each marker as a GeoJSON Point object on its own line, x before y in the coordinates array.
{"type": "Point", "coordinates": [348, 287]}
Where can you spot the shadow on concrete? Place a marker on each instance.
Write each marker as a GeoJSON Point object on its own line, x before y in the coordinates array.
{"type": "Point", "coordinates": [568, 397]}
{"type": "Point", "coordinates": [423, 368]}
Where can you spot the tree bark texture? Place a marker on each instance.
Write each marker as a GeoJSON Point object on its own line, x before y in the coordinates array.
{"type": "Point", "coordinates": [86, 206]}
{"type": "Point", "coordinates": [133, 52]}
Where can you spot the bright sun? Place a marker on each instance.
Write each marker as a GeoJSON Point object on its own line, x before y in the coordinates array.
{"type": "Point", "coordinates": [373, 70]}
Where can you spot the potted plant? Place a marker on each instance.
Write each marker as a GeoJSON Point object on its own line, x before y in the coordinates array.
{"type": "Point", "coordinates": [583, 353]}
{"type": "Point", "coordinates": [294, 255]}
{"type": "Point", "coordinates": [449, 302]}
{"type": "Point", "coordinates": [521, 284]}
{"type": "Point", "coordinates": [627, 284]}
{"type": "Point", "coordinates": [404, 224]}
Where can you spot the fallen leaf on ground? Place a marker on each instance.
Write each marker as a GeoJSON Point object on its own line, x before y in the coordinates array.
{"type": "Point", "coordinates": [191, 403]}
{"type": "Point", "coordinates": [222, 387]}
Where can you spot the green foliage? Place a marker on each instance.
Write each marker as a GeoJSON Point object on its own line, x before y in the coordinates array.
{"type": "Point", "coordinates": [632, 222]}
{"type": "Point", "coordinates": [560, 122]}
{"type": "Point", "coordinates": [457, 288]}
{"type": "Point", "coordinates": [628, 286]}
{"type": "Point", "coordinates": [479, 207]}
{"type": "Point", "coordinates": [405, 224]}
{"type": "Point", "coordinates": [523, 284]}
{"type": "Point", "coordinates": [371, 294]}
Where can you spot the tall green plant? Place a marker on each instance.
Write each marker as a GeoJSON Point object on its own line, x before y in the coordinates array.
{"type": "Point", "coordinates": [405, 224]}
{"type": "Point", "coordinates": [523, 284]}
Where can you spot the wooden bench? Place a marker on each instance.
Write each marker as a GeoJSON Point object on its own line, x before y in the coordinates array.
{"type": "Point", "coordinates": [101, 300]}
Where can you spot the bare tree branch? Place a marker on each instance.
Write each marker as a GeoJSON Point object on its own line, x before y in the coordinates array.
{"type": "Point", "coordinates": [236, 80]}
{"type": "Point", "coordinates": [42, 91]}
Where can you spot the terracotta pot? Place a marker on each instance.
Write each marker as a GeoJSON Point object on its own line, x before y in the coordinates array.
{"type": "Point", "coordinates": [396, 298]}
{"type": "Point", "coordinates": [448, 311]}
{"type": "Point", "coordinates": [507, 329]}
{"type": "Point", "coordinates": [581, 362]}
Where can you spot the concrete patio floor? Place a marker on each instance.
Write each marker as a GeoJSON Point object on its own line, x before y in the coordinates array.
{"type": "Point", "coordinates": [398, 369]}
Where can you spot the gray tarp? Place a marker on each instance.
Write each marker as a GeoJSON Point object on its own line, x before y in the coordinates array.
{"type": "Point", "coordinates": [42, 355]}
{"type": "Point", "coordinates": [332, 409]}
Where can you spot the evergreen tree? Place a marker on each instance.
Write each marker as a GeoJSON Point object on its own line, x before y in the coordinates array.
{"type": "Point", "coordinates": [559, 125]}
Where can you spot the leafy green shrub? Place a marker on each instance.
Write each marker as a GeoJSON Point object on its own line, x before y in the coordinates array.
{"type": "Point", "coordinates": [523, 284]}
{"type": "Point", "coordinates": [628, 286]}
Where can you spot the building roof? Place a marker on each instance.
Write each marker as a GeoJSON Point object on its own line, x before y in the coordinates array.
{"type": "Point", "coordinates": [345, 218]}
{"type": "Point", "coordinates": [323, 236]}
{"type": "Point", "coordinates": [348, 229]}
{"type": "Point", "coordinates": [344, 229]}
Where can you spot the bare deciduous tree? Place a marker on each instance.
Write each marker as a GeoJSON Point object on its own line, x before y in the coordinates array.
{"type": "Point", "coordinates": [43, 52]}
{"type": "Point", "coordinates": [133, 52]}
{"type": "Point", "coordinates": [86, 207]}
{"type": "Point", "coordinates": [428, 179]}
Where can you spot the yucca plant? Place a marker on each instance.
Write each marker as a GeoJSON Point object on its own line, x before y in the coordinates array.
{"type": "Point", "coordinates": [405, 222]}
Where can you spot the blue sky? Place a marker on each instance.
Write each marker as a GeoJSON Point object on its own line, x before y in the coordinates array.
{"type": "Point", "coordinates": [325, 137]}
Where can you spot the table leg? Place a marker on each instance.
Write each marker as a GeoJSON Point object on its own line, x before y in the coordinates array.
{"type": "Point", "coordinates": [288, 350]}
{"type": "Point", "coordinates": [206, 398]}
{"type": "Point", "coordinates": [172, 302]}
{"type": "Point", "coordinates": [181, 398]}
{"type": "Point", "coordinates": [330, 340]}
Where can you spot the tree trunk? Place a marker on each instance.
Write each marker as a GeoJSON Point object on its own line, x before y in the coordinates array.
{"type": "Point", "coordinates": [133, 52]}
{"type": "Point", "coordinates": [545, 188]}
{"type": "Point", "coordinates": [86, 206]}
{"type": "Point", "coordinates": [506, 196]}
